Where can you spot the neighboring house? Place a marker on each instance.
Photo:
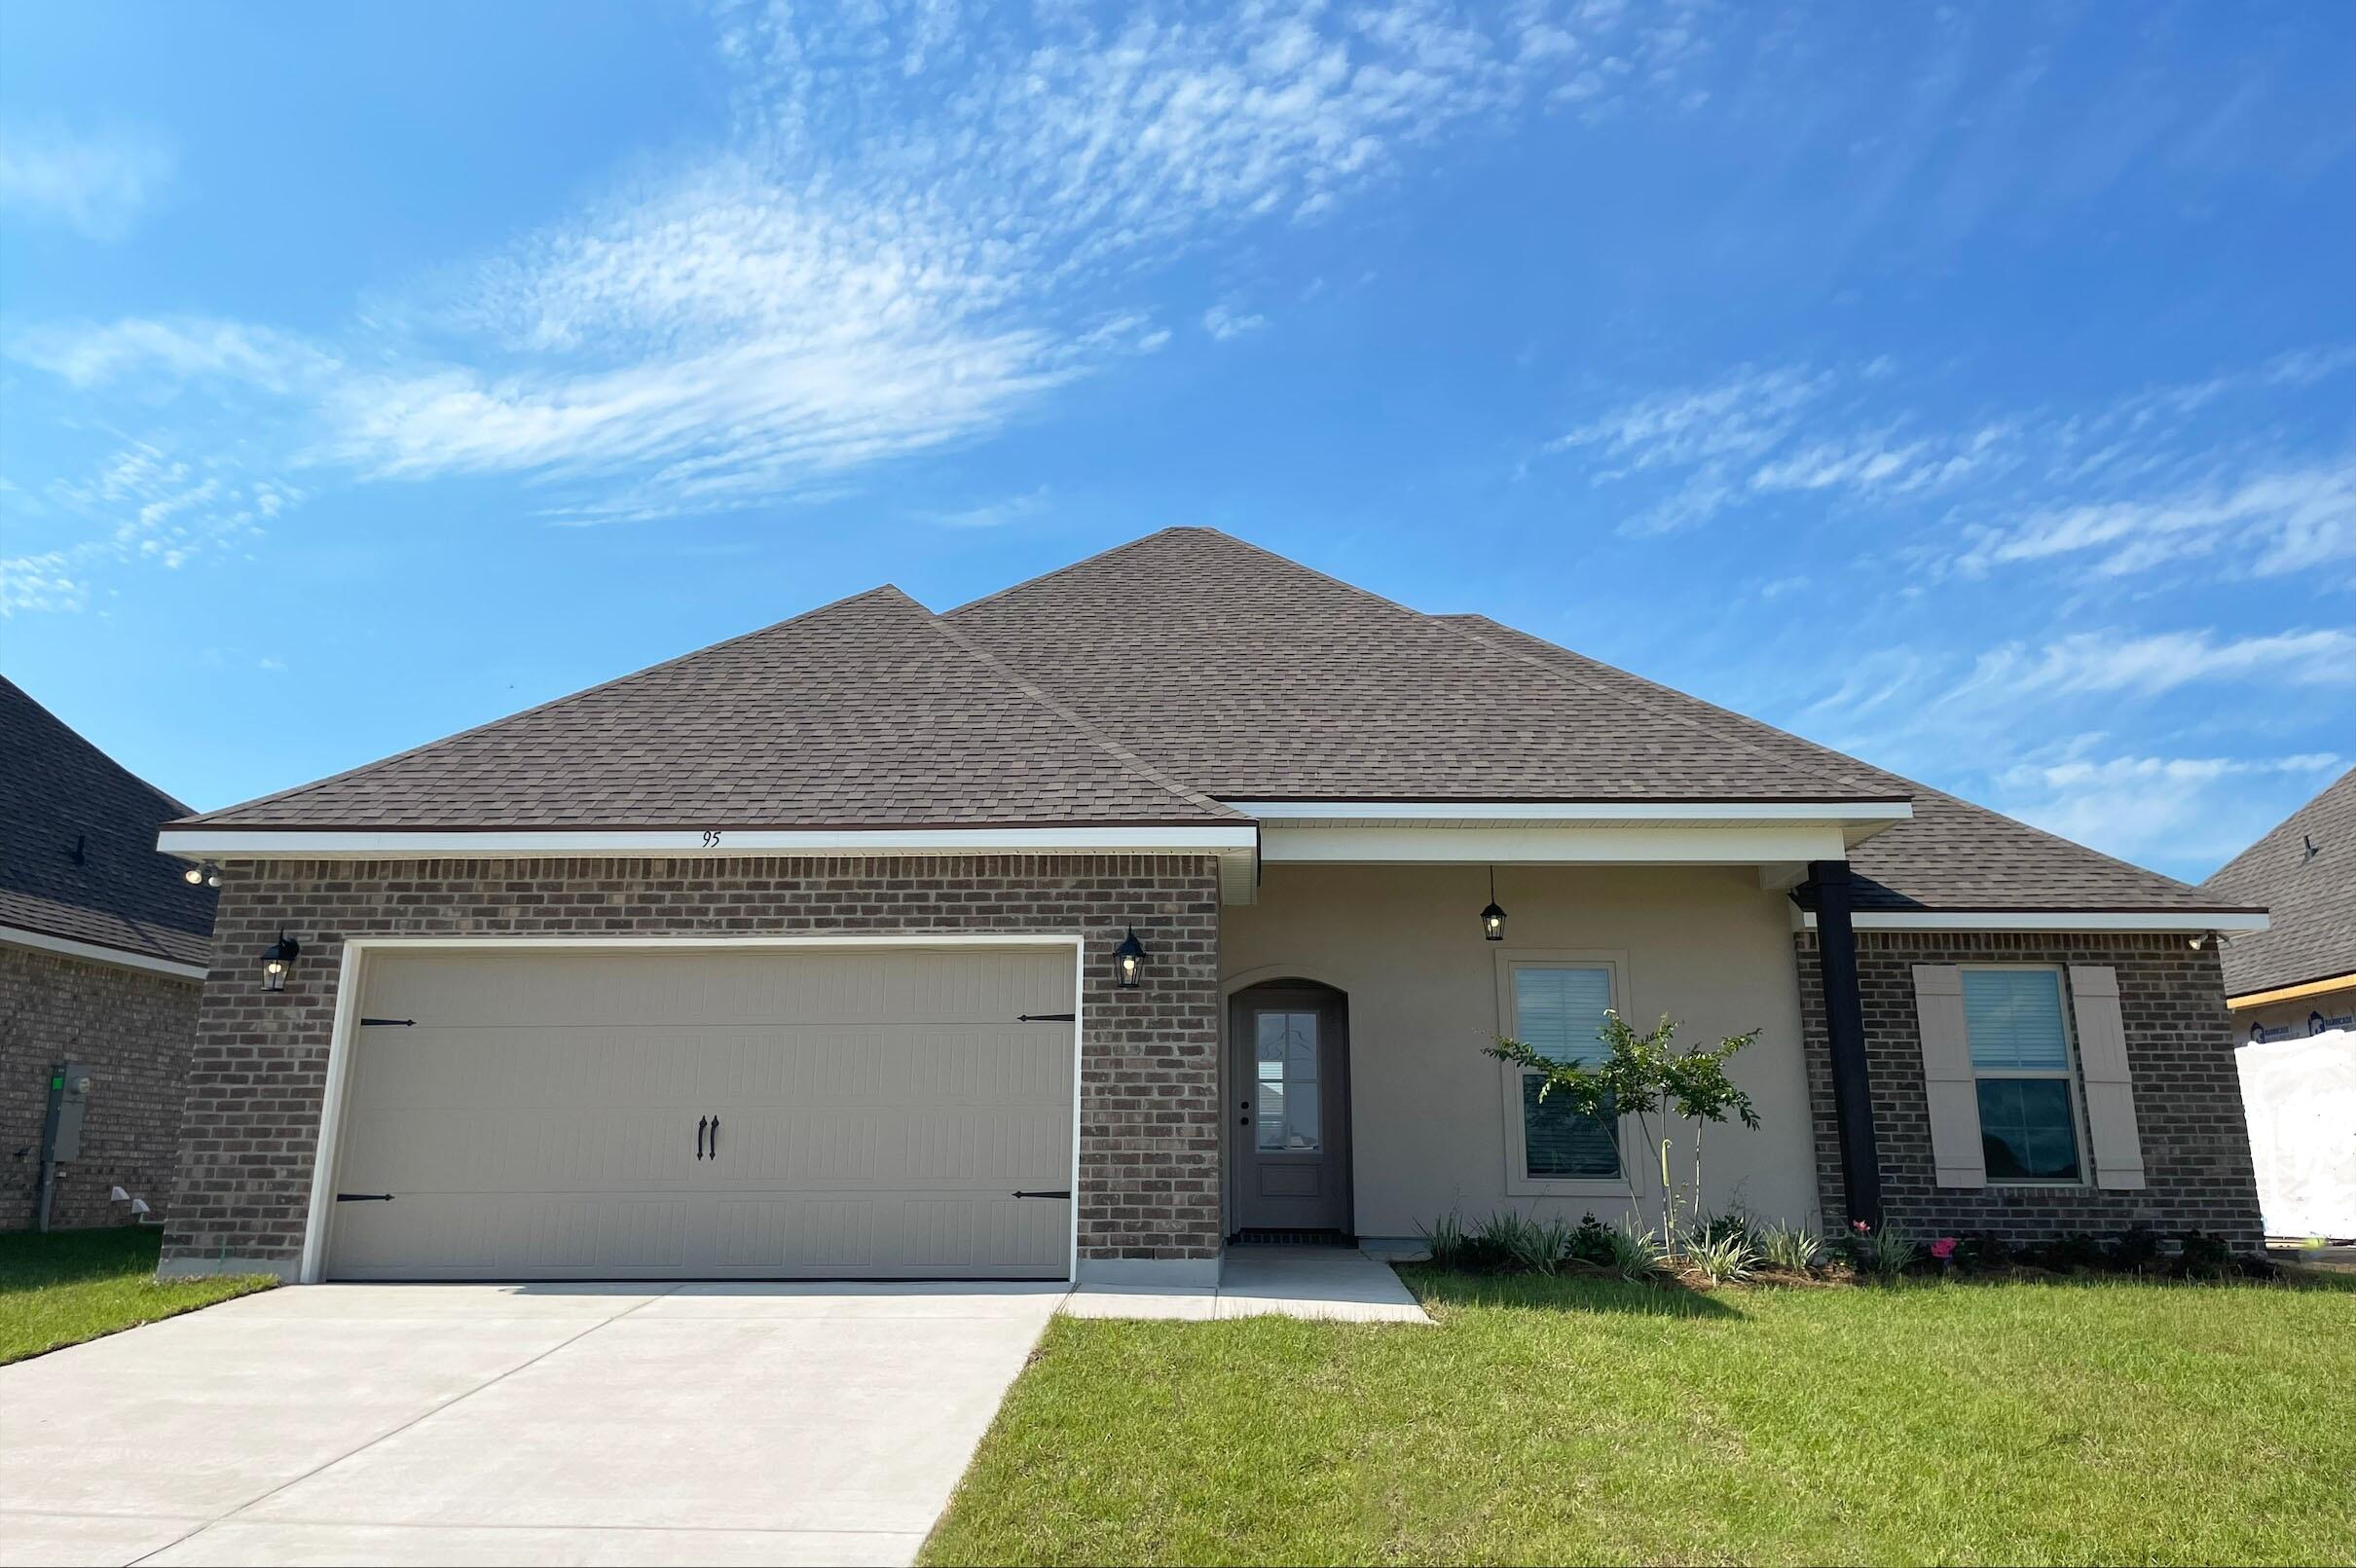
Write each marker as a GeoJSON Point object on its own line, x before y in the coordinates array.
{"type": "Point", "coordinates": [805, 955]}
{"type": "Point", "coordinates": [2293, 991]}
{"type": "Point", "coordinates": [104, 949]}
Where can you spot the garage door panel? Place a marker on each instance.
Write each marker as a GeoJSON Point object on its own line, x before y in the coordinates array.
{"type": "Point", "coordinates": [540, 1118]}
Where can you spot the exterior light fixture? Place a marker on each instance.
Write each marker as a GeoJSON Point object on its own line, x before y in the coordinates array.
{"type": "Point", "coordinates": [277, 959]}
{"type": "Point", "coordinates": [1492, 919]}
{"type": "Point", "coordinates": [1128, 962]}
{"type": "Point", "coordinates": [193, 875]}
{"type": "Point", "coordinates": [207, 874]}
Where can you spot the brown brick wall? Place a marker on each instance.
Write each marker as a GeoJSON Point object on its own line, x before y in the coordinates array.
{"type": "Point", "coordinates": [1148, 1146]}
{"type": "Point", "coordinates": [2180, 1050]}
{"type": "Point", "coordinates": [132, 1028]}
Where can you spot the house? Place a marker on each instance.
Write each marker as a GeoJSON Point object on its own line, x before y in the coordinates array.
{"type": "Point", "coordinates": [103, 951]}
{"type": "Point", "coordinates": [1165, 899]}
{"type": "Point", "coordinates": [2293, 991]}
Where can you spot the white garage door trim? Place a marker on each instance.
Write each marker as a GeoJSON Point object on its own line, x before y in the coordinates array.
{"type": "Point", "coordinates": [348, 998]}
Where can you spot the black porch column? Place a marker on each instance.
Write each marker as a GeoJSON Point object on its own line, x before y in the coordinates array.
{"type": "Point", "coordinates": [1845, 1029]}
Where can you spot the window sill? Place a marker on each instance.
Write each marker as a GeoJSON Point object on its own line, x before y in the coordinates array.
{"type": "Point", "coordinates": [1543, 1186]}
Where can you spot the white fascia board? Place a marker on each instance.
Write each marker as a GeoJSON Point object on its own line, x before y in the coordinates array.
{"type": "Point", "coordinates": [1591, 845]}
{"type": "Point", "coordinates": [99, 953]}
{"type": "Point", "coordinates": [1310, 813]}
{"type": "Point", "coordinates": [2048, 920]}
{"type": "Point", "coordinates": [251, 844]}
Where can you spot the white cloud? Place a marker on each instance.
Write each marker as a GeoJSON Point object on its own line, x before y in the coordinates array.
{"type": "Point", "coordinates": [95, 184]}
{"type": "Point", "coordinates": [2184, 812]}
{"type": "Point", "coordinates": [1223, 323]}
{"type": "Point", "coordinates": [2149, 665]}
{"type": "Point", "coordinates": [2269, 523]}
{"type": "Point", "coordinates": [990, 514]}
{"type": "Point", "coordinates": [41, 582]}
{"type": "Point", "coordinates": [914, 230]}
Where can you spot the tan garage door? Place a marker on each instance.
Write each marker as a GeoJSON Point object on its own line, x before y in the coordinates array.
{"type": "Point", "coordinates": [850, 1112]}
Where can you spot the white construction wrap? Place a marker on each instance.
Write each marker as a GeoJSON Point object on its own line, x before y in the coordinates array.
{"type": "Point", "coordinates": [2300, 1095]}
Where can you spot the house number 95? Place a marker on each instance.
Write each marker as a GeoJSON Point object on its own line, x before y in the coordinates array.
{"type": "Point", "coordinates": [711, 838]}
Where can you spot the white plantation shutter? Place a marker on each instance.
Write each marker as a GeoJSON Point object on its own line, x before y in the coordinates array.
{"type": "Point", "coordinates": [2102, 1057]}
{"type": "Point", "coordinates": [1955, 1146]}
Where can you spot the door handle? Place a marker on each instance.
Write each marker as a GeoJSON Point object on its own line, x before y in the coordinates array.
{"type": "Point", "coordinates": [699, 1136]}
{"type": "Point", "coordinates": [715, 1137]}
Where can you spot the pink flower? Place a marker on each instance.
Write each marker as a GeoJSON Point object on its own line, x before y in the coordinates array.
{"type": "Point", "coordinates": [1944, 1248]}
{"type": "Point", "coordinates": [1860, 1227]}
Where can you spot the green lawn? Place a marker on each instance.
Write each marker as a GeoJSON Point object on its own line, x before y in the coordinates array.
{"type": "Point", "coordinates": [1592, 1421]}
{"type": "Point", "coordinates": [75, 1285]}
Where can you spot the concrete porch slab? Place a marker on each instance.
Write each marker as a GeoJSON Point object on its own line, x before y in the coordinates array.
{"type": "Point", "coordinates": [1336, 1283]}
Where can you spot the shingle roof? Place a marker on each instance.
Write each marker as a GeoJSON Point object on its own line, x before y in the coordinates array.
{"type": "Point", "coordinates": [1952, 855]}
{"type": "Point", "coordinates": [1253, 678]}
{"type": "Point", "coordinates": [869, 713]}
{"type": "Point", "coordinates": [58, 790]}
{"type": "Point", "coordinates": [2312, 896]}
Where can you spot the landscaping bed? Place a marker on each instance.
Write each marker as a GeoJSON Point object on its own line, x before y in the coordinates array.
{"type": "Point", "coordinates": [1600, 1420]}
{"type": "Point", "coordinates": [69, 1286]}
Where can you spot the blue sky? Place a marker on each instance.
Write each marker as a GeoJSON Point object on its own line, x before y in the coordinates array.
{"type": "Point", "coordinates": [1970, 388]}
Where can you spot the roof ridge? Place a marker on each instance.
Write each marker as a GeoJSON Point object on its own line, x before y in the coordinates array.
{"type": "Point", "coordinates": [1815, 746]}
{"type": "Point", "coordinates": [2299, 814]}
{"type": "Point", "coordinates": [1101, 740]}
{"type": "Point", "coordinates": [1070, 566]}
{"type": "Point", "coordinates": [295, 791]}
{"type": "Point", "coordinates": [1663, 711]}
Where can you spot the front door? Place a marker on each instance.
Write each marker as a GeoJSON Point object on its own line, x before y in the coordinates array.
{"type": "Point", "coordinates": [1288, 1077]}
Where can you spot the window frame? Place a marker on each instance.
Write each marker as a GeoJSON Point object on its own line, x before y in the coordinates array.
{"type": "Point", "coordinates": [1518, 1183]}
{"type": "Point", "coordinates": [2069, 1076]}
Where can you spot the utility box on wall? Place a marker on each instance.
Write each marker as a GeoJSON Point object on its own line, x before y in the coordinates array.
{"type": "Point", "coordinates": [69, 1088]}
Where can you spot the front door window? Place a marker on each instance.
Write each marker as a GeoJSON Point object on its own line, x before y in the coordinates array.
{"type": "Point", "coordinates": [1285, 1111]}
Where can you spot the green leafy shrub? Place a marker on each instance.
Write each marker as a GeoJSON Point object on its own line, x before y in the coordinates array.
{"type": "Point", "coordinates": [1882, 1256]}
{"type": "Point", "coordinates": [1795, 1247]}
{"type": "Point", "coordinates": [2206, 1255]}
{"type": "Point", "coordinates": [1982, 1251]}
{"type": "Point", "coordinates": [1444, 1241]}
{"type": "Point", "coordinates": [1637, 1250]}
{"type": "Point", "coordinates": [1723, 1259]}
{"type": "Point", "coordinates": [1591, 1241]}
{"type": "Point", "coordinates": [2135, 1248]}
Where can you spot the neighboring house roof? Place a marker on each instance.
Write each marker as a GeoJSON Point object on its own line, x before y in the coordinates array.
{"type": "Point", "coordinates": [1149, 686]}
{"type": "Point", "coordinates": [1952, 855]}
{"type": "Point", "coordinates": [1253, 678]}
{"type": "Point", "coordinates": [59, 791]}
{"type": "Point", "coordinates": [2310, 891]}
{"type": "Point", "coordinates": [869, 713]}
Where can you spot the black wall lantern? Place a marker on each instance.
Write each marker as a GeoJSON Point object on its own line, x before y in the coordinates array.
{"type": "Point", "coordinates": [1128, 962]}
{"type": "Point", "coordinates": [1492, 919]}
{"type": "Point", "coordinates": [277, 959]}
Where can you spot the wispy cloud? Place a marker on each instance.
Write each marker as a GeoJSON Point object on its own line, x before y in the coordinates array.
{"type": "Point", "coordinates": [2149, 665]}
{"type": "Point", "coordinates": [2187, 812]}
{"type": "Point", "coordinates": [96, 185]}
{"type": "Point", "coordinates": [989, 514]}
{"type": "Point", "coordinates": [849, 280]}
{"type": "Point", "coordinates": [2134, 483]}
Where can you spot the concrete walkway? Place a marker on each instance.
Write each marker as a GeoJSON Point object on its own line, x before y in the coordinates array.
{"type": "Point", "coordinates": [1294, 1281]}
{"type": "Point", "coordinates": [457, 1424]}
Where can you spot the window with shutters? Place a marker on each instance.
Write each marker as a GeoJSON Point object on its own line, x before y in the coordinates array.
{"type": "Point", "coordinates": [2018, 1025]}
{"type": "Point", "coordinates": [1556, 1002]}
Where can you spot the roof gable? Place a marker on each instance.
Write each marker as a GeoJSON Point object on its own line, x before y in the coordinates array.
{"type": "Point", "coordinates": [59, 791]}
{"type": "Point", "coordinates": [1254, 678]}
{"type": "Point", "coordinates": [2312, 898]}
{"type": "Point", "coordinates": [866, 713]}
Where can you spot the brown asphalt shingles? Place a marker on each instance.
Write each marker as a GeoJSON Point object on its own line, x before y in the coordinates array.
{"type": "Point", "coordinates": [2311, 894]}
{"type": "Point", "coordinates": [58, 790]}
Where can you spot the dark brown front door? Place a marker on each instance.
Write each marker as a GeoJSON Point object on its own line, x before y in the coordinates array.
{"type": "Point", "coordinates": [1288, 1083]}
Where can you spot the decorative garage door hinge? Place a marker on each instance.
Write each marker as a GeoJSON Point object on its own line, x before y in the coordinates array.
{"type": "Point", "coordinates": [405, 1023]}
{"type": "Point", "coordinates": [1044, 1018]}
{"type": "Point", "coordinates": [1061, 1192]}
{"type": "Point", "coordinates": [363, 1197]}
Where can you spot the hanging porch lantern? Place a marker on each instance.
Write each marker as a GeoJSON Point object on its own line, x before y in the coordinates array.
{"type": "Point", "coordinates": [277, 959]}
{"type": "Point", "coordinates": [1128, 962]}
{"type": "Point", "coordinates": [1492, 919]}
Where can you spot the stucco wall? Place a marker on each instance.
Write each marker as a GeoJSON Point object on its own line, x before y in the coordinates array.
{"type": "Point", "coordinates": [1705, 945]}
{"type": "Point", "coordinates": [1148, 1169]}
{"type": "Point", "coordinates": [132, 1028]}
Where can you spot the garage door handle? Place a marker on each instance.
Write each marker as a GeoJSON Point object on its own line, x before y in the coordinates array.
{"type": "Point", "coordinates": [699, 1136]}
{"type": "Point", "coordinates": [715, 1137]}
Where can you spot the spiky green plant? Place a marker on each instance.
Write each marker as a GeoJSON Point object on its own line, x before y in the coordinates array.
{"type": "Point", "coordinates": [1791, 1247]}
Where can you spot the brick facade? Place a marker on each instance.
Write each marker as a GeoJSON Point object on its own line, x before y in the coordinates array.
{"type": "Point", "coordinates": [132, 1028]}
{"type": "Point", "coordinates": [1149, 1131]}
{"type": "Point", "coordinates": [2180, 1049]}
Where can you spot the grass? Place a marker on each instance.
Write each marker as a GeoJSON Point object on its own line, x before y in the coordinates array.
{"type": "Point", "coordinates": [1581, 1420]}
{"type": "Point", "coordinates": [75, 1285]}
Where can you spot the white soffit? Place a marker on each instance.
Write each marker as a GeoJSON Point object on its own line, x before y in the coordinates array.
{"type": "Point", "coordinates": [97, 953]}
{"type": "Point", "coordinates": [1552, 843]}
{"type": "Point", "coordinates": [1855, 820]}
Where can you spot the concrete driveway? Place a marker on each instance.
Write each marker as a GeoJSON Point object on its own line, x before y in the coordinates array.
{"type": "Point", "coordinates": [520, 1423]}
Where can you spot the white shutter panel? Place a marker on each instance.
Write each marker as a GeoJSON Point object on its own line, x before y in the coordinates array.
{"type": "Point", "coordinates": [1955, 1146]}
{"type": "Point", "coordinates": [2102, 1057]}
